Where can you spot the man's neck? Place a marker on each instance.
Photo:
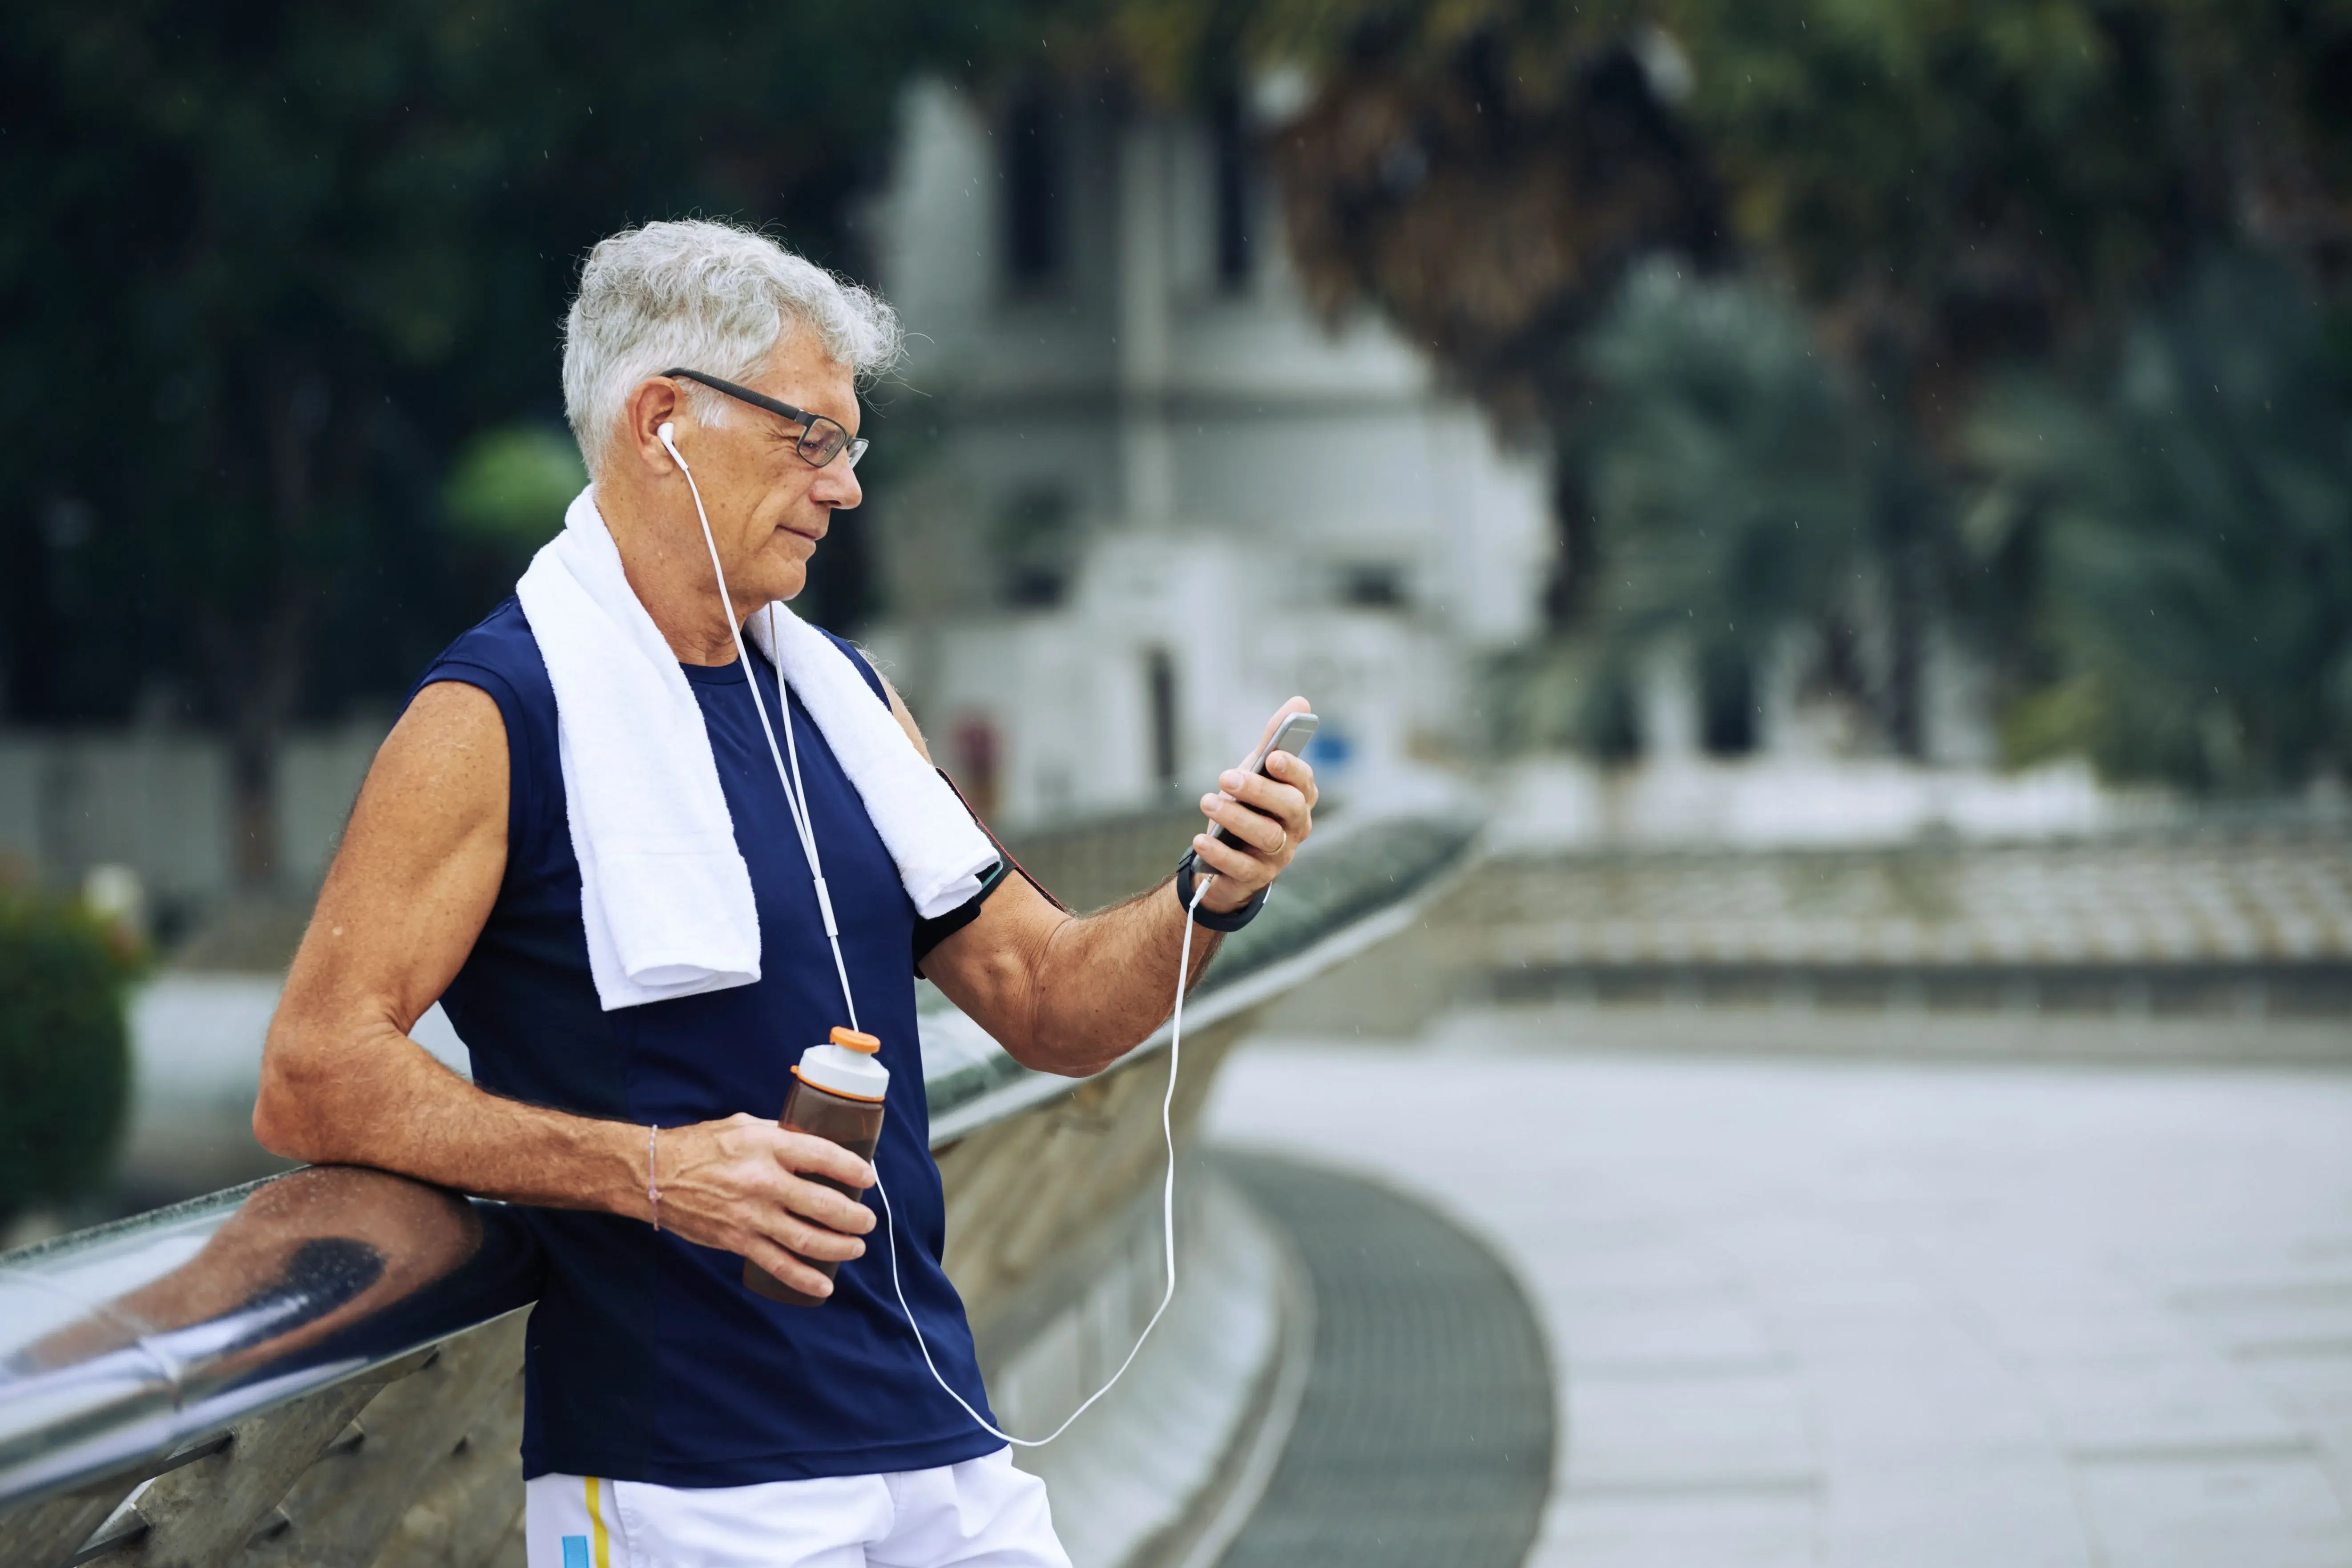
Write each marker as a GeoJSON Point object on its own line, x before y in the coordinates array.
{"type": "Point", "coordinates": [673, 582]}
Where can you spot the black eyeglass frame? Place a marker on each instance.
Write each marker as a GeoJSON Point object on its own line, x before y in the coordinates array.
{"type": "Point", "coordinates": [854, 445]}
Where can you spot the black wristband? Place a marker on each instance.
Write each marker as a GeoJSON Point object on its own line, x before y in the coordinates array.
{"type": "Point", "coordinates": [1207, 919]}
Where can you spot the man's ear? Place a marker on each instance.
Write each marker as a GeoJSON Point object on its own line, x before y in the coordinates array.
{"type": "Point", "coordinates": [656, 401]}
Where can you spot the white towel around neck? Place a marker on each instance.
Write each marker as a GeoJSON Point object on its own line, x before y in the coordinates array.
{"type": "Point", "coordinates": [663, 892]}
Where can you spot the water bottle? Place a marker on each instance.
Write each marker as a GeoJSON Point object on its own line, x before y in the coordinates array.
{"type": "Point", "coordinates": [838, 1095]}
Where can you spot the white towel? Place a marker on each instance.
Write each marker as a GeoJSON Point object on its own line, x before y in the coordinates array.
{"type": "Point", "coordinates": [664, 892]}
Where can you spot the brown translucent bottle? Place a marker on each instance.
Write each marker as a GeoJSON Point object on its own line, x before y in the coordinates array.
{"type": "Point", "coordinates": [838, 1095]}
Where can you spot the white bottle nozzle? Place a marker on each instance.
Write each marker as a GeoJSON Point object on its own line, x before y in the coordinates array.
{"type": "Point", "coordinates": [846, 1065]}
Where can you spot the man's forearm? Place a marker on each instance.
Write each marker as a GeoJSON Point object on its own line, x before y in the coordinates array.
{"type": "Point", "coordinates": [1107, 979]}
{"type": "Point", "coordinates": [373, 1097]}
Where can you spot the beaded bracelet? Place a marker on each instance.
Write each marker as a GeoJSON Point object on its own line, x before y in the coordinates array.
{"type": "Point", "coordinates": [653, 1185]}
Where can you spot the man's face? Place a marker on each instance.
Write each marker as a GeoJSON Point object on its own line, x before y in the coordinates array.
{"type": "Point", "coordinates": [768, 508]}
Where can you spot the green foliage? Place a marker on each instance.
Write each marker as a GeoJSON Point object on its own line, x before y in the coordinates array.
{"type": "Point", "coordinates": [1749, 509]}
{"type": "Point", "coordinates": [1951, 187]}
{"type": "Point", "coordinates": [2193, 527]}
{"type": "Point", "coordinates": [1730, 505]}
{"type": "Point", "coordinates": [1729, 499]}
{"type": "Point", "coordinates": [1572, 692]}
{"type": "Point", "coordinates": [65, 1052]}
{"type": "Point", "coordinates": [1987, 167]}
{"type": "Point", "coordinates": [1968, 179]}
{"type": "Point", "coordinates": [268, 267]}
{"type": "Point", "coordinates": [509, 487]}
{"type": "Point", "coordinates": [1485, 172]}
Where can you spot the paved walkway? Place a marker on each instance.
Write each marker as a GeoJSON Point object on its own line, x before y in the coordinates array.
{"type": "Point", "coordinates": [1884, 1314]}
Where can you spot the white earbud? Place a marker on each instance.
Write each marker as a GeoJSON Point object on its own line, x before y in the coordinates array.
{"type": "Point", "coordinates": [664, 435]}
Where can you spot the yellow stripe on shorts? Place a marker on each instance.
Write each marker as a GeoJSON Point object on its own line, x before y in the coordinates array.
{"type": "Point", "coordinates": [601, 1544]}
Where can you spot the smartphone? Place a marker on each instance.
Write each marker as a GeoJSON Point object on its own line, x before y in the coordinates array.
{"type": "Point", "coordinates": [1292, 737]}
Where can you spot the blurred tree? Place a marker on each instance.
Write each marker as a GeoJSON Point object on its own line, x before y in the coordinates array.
{"type": "Point", "coordinates": [1959, 184]}
{"type": "Point", "coordinates": [268, 264]}
{"type": "Point", "coordinates": [504, 496]}
{"type": "Point", "coordinates": [1730, 485]}
{"type": "Point", "coordinates": [1488, 183]}
{"type": "Point", "coordinates": [1948, 185]}
{"type": "Point", "coordinates": [2194, 525]}
{"type": "Point", "coordinates": [509, 486]}
{"type": "Point", "coordinates": [1970, 177]}
{"type": "Point", "coordinates": [1485, 175]}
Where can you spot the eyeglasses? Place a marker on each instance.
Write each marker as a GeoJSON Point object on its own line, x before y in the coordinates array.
{"type": "Point", "coordinates": [822, 440]}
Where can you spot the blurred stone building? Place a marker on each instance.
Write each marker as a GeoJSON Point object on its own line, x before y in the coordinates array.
{"type": "Point", "coordinates": [1156, 495]}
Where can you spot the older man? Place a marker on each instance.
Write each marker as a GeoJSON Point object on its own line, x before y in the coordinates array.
{"type": "Point", "coordinates": [674, 1415]}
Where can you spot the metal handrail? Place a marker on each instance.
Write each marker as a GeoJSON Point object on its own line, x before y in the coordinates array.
{"type": "Point", "coordinates": [123, 1347]}
{"type": "Point", "coordinates": [126, 1343]}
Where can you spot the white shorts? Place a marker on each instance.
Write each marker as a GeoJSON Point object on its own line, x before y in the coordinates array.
{"type": "Point", "coordinates": [981, 1513]}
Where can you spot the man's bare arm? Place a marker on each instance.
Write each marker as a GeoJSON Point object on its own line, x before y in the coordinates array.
{"type": "Point", "coordinates": [1071, 994]}
{"type": "Point", "coordinates": [342, 1082]}
{"type": "Point", "coordinates": [1062, 993]}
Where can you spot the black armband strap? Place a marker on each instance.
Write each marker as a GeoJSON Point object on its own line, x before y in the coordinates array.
{"type": "Point", "coordinates": [929, 933]}
{"type": "Point", "coordinates": [1208, 919]}
{"type": "Point", "coordinates": [1043, 891]}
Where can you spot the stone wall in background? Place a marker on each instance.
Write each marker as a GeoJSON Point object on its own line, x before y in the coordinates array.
{"type": "Point", "coordinates": [157, 800]}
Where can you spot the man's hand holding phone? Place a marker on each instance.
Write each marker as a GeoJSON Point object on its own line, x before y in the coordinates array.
{"type": "Point", "coordinates": [1258, 818]}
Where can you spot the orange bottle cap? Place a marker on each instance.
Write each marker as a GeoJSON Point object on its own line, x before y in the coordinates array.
{"type": "Point", "coordinates": [851, 1039]}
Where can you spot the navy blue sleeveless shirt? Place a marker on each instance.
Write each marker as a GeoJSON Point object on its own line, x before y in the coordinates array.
{"type": "Point", "coordinates": [647, 1360]}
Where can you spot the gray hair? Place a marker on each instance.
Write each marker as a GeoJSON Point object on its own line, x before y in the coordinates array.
{"type": "Point", "coordinates": [710, 296]}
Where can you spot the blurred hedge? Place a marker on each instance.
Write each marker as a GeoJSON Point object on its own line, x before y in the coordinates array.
{"type": "Point", "coordinates": [64, 1048]}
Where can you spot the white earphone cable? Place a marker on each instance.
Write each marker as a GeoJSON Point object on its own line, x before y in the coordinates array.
{"type": "Point", "coordinates": [797, 804]}
{"type": "Point", "coordinates": [795, 798]}
{"type": "Point", "coordinates": [1167, 1217]}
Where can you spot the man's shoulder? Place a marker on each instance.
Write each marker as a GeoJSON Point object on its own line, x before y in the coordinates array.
{"type": "Point", "coordinates": [859, 662]}
{"type": "Point", "coordinates": [501, 644]}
